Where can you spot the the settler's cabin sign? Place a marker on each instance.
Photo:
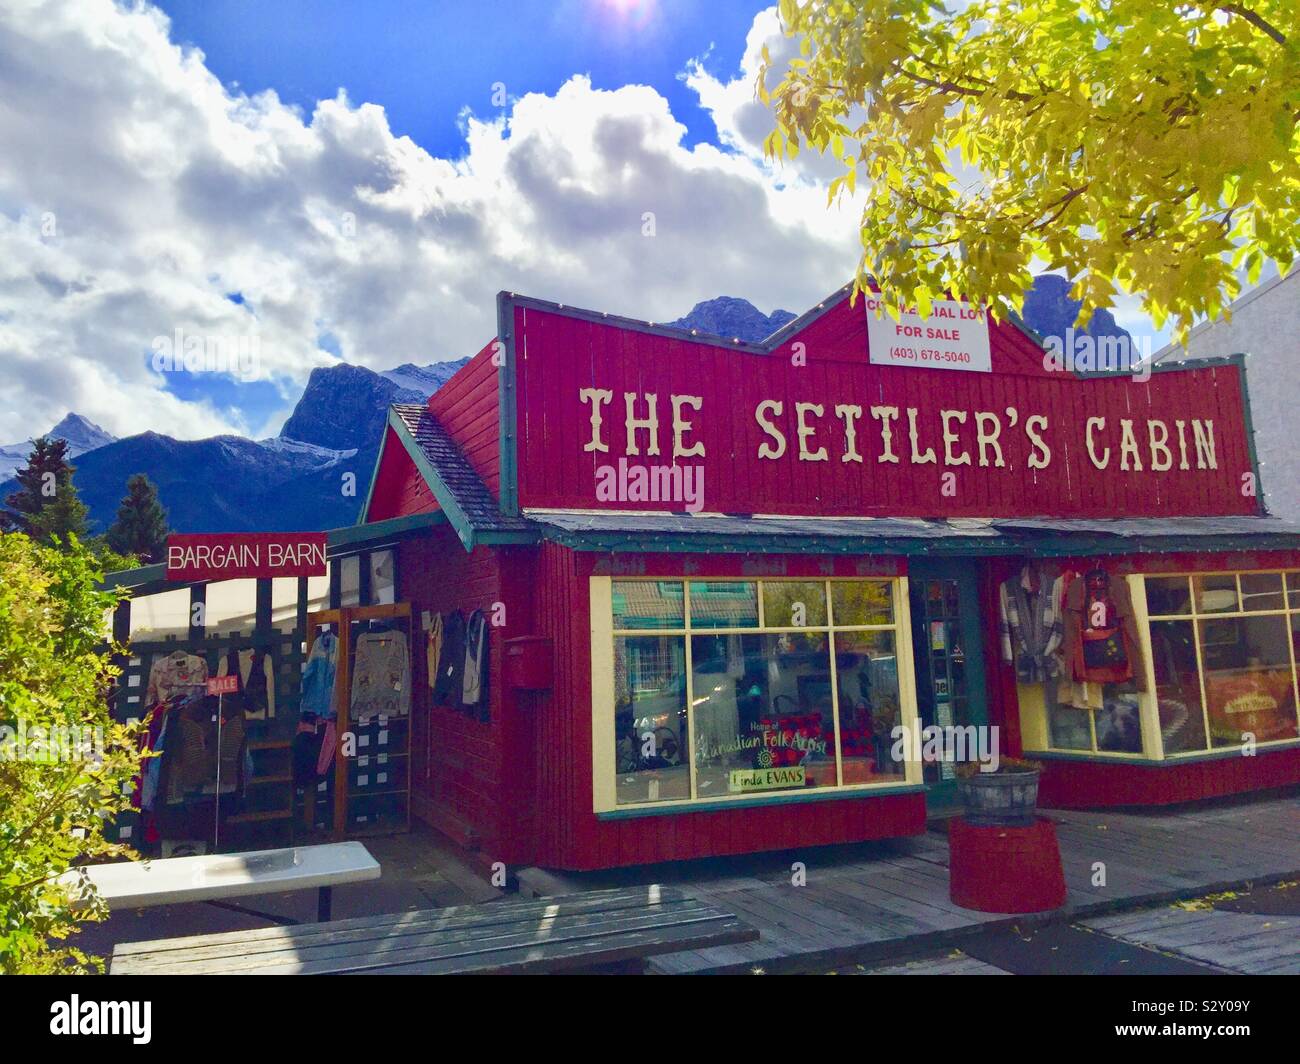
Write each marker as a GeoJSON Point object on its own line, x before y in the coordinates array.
{"type": "Point", "coordinates": [820, 421]}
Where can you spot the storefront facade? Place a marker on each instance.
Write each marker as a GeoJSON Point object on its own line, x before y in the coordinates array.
{"type": "Point", "coordinates": [719, 591]}
{"type": "Point", "coordinates": [739, 570]}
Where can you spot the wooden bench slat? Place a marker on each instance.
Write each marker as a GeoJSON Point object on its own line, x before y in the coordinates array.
{"type": "Point", "coordinates": [460, 915]}
{"type": "Point", "coordinates": [463, 943]}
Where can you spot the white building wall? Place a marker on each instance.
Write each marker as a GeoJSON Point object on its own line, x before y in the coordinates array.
{"type": "Point", "coordinates": [1266, 326]}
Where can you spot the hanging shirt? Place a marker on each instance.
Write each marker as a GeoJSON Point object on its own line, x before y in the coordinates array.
{"type": "Point", "coordinates": [474, 686]}
{"type": "Point", "coordinates": [449, 688]}
{"type": "Point", "coordinates": [433, 649]}
{"type": "Point", "coordinates": [175, 674]}
{"type": "Point", "coordinates": [380, 676]}
{"type": "Point", "coordinates": [318, 677]}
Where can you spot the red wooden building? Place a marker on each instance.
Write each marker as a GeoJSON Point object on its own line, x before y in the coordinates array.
{"type": "Point", "coordinates": [731, 585]}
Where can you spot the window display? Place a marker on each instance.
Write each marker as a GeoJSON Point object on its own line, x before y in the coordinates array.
{"type": "Point", "coordinates": [726, 707]}
{"type": "Point", "coordinates": [1223, 651]}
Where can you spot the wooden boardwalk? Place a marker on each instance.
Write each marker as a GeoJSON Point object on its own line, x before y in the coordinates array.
{"type": "Point", "coordinates": [890, 901]}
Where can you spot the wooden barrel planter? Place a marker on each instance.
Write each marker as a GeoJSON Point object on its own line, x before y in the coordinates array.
{"type": "Point", "coordinates": [1000, 799]}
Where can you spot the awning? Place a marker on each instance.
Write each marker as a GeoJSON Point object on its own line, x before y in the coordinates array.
{"type": "Point", "coordinates": [616, 531]}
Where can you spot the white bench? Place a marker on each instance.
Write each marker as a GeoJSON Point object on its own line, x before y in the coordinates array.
{"type": "Point", "coordinates": [214, 877]}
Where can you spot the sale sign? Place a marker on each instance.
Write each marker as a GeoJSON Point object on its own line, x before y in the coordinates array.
{"type": "Point", "coordinates": [229, 556]}
{"type": "Point", "coordinates": [954, 336]}
{"type": "Point", "coordinates": [223, 685]}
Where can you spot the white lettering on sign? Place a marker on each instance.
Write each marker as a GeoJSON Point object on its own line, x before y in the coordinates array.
{"type": "Point", "coordinates": [954, 336]}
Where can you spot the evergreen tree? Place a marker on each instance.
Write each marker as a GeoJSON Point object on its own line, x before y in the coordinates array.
{"type": "Point", "coordinates": [46, 503]}
{"type": "Point", "coordinates": [141, 524]}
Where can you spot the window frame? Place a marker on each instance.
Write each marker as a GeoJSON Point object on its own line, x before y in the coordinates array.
{"type": "Point", "coordinates": [1195, 617]}
{"type": "Point", "coordinates": [603, 634]}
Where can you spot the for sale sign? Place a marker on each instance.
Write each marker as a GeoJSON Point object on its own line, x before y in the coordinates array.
{"type": "Point", "coordinates": [954, 336]}
{"type": "Point", "coordinates": [204, 556]}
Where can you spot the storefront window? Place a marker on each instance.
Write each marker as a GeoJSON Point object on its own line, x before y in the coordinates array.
{"type": "Point", "coordinates": [1226, 675]}
{"type": "Point", "coordinates": [712, 705]}
{"type": "Point", "coordinates": [162, 616]}
{"type": "Point", "coordinates": [230, 607]}
{"type": "Point", "coordinates": [350, 580]}
{"type": "Point", "coordinates": [284, 604]}
{"type": "Point", "coordinates": [383, 578]}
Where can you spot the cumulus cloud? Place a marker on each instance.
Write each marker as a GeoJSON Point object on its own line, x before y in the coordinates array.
{"type": "Point", "coordinates": [139, 195]}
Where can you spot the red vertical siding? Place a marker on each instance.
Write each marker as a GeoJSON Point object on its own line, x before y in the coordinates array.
{"type": "Point", "coordinates": [467, 406]}
{"type": "Point", "coordinates": [399, 488]}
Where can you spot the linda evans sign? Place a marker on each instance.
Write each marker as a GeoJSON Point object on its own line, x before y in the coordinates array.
{"type": "Point", "coordinates": [228, 556]}
{"type": "Point", "coordinates": [807, 426]}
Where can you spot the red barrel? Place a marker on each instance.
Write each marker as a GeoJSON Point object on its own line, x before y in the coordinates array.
{"type": "Point", "coordinates": [1005, 870]}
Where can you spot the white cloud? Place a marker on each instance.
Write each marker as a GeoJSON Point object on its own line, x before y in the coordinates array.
{"type": "Point", "coordinates": [168, 190]}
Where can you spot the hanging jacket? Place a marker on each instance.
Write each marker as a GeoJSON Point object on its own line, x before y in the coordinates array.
{"type": "Point", "coordinates": [175, 674]}
{"type": "Point", "coordinates": [449, 689]}
{"type": "Point", "coordinates": [256, 674]}
{"type": "Point", "coordinates": [1031, 625]}
{"type": "Point", "coordinates": [318, 677]}
{"type": "Point", "coordinates": [474, 686]}
{"type": "Point", "coordinates": [1113, 656]}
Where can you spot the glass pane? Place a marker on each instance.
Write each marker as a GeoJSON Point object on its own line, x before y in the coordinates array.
{"type": "Point", "coordinates": [284, 603]}
{"type": "Point", "coordinates": [1168, 595]}
{"type": "Point", "coordinates": [350, 580]}
{"type": "Point", "coordinates": [650, 748]}
{"type": "Point", "coordinates": [1261, 591]}
{"type": "Point", "coordinates": [764, 716]}
{"type": "Point", "coordinates": [862, 602]}
{"type": "Point", "coordinates": [1178, 686]}
{"type": "Point", "coordinates": [1070, 726]}
{"type": "Point", "coordinates": [383, 578]}
{"type": "Point", "coordinates": [794, 604]}
{"type": "Point", "coordinates": [724, 604]}
{"type": "Point", "coordinates": [1119, 721]}
{"type": "Point", "coordinates": [162, 616]}
{"type": "Point", "coordinates": [648, 604]}
{"type": "Point", "coordinates": [230, 608]}
{"type": "Point", "coordinates": [1216, 594]}
{"type": "Point", "coordinates": [1248, 681]}
{"type": "Point", "coordinates": [866, 673]}
{"type": "Point", "coordinates": [318, 592]}
{"type": "Point", "coordinates": [1293, 590]}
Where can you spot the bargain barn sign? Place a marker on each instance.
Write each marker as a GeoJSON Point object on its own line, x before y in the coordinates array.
{"type": "Point", "coordinates": [217, 556]}
{"type": "Point", "coordinates": [848, 414]}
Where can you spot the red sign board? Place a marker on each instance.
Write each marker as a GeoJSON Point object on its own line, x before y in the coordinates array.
{"type": "Point", "coordinates": [228, 556]}
{"type": "Point", "coordinates": [614, 415]}
{"type": "Point", "coordinates": [223, 685]}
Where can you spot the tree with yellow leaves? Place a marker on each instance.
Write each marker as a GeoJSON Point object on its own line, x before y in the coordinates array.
{"type": "Point", "coordinates": [1144, 146]}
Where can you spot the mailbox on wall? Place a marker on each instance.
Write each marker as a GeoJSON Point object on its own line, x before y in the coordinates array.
{"type": "Point", "coordinates": [528, 663]}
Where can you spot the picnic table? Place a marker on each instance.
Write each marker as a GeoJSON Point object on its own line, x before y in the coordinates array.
{"type": "Point", "coordinates": [215, 877]}
{"type": "Point", "coordinates": [600, 929]}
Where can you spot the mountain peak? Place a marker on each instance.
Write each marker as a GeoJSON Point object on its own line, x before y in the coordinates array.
{"type": "Point", "coordinates": [81, 433]}
{"type": "Point", "coordinates": [732, 317]}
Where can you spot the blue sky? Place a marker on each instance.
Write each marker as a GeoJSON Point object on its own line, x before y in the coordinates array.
{"type": "Point", "coordinates": [425, 62]}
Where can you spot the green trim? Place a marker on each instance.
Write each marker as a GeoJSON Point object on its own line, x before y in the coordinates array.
{"type": "Point", "coordinates": [446, 500]}
{"type": "Point", "coordinates": [1170, 761]}
{"type": "Point", "coordinates": [1047, 544]}
{"type": "Point", "coordinates": [374, 476]}
{"type": "Point", "coordinates": [354, 535]}
{"type": "Point", "coordinates": [1248, 423]}
{"type": "Point", "coordinates": [507, 407]}
{"type": "Point", "coordinates": [833, 794]}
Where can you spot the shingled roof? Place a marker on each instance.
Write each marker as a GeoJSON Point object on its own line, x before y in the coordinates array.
{"type": "Point", "coordinates": [459, 490]}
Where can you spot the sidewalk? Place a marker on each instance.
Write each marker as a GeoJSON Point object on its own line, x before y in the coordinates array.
{"type": "Point", "coordinates": [885, 901]}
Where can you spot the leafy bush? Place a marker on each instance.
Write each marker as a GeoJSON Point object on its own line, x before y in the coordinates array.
{"type": "Point", "coordinates": [65, 767]}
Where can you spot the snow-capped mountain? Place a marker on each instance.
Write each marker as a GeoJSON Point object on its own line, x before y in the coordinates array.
{"type": "Point", "coordinates": [81, 434]}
